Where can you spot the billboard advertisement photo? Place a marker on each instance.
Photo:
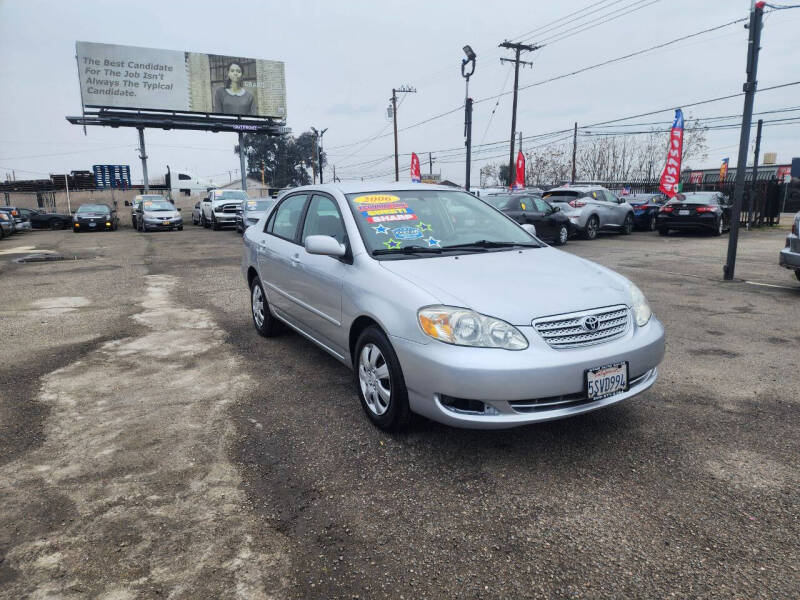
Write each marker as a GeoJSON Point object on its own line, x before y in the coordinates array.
{"type": "Point", "coordinates": [130, 77]}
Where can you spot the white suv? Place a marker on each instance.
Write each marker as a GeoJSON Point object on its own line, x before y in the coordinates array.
{"type": "Point", "coordinates": [591, 208]}
{"type": "Point", "coordinates": [220, 208]}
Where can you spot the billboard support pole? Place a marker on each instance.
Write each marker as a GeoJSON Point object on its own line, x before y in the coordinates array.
{"type": "Point", "coordinates": [66, 186]}
{"type": "Point", "coordinates": [241, 161]}
{"type": "Point", "coordinates": [143, 156]}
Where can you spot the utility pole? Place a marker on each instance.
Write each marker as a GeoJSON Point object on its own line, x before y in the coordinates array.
{"type": "Point", "coordinates": [143, 156]}
{"type": "Point", "coordinates": [241, 161]}
{"type": "Point", "coordinates": [753, 47]}
{"type": "Point", "coordinates": [517, 48]}
{"type": "Point", "coordinates": [317, 154]}
{"type": "Point", "coordinates": [574, 150]}
{"type": "Point", "coordinates": [755, 176]}
{"type": "Point", "coordinates": [262, 173]}
{"type": "Point", "coordinates": [402, 90]}
{"type": "Point", "coordinates": [470, 60]}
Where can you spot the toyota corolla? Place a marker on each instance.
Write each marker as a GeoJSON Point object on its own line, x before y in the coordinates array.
{"type": "Point", "coordinates": [445, 307]}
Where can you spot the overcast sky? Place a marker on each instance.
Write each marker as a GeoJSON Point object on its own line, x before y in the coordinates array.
{"type": "Point", "coordinates": [343, 59]}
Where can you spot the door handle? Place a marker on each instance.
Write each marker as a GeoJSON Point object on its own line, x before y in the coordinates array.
{"type": "Point", "coordinates": [295, 258]}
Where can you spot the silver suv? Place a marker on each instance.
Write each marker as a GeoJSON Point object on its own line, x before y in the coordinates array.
{"type": "Point", "coordinates": [592, 208]}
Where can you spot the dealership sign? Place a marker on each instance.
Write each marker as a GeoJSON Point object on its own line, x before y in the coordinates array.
{"type": "Point", "coordinates": [130, 77]}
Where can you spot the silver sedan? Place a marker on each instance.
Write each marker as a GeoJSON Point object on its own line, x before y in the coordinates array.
{"type": "Point", "coordinates": [445, 307]}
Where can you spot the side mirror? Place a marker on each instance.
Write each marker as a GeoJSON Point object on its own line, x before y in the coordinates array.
{"type": "Point", "coordinates": [556, 209]}
{"type": "Point", "coordinates": [325, 245]}
{"type": "Point", "coordinates": [127, 203]}
{"type": "Point", "coordinates": [529, 228]}
{"type": "Point", "coordinates": [178, 209]}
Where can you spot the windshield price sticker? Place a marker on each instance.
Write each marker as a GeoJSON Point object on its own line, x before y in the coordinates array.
{"type": "Point", "coordinates": [377, 199]}
{"type": "Point", "coordinates": [407, 216]}
{"type": "Point", "coordinates": [407, 233]}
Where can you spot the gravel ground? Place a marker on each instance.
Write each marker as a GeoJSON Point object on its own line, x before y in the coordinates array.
{"type": "Point", "coordinates": [153, 445]}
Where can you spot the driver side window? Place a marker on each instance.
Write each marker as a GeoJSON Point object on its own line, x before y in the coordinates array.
{"type": "Point", "coordinates": [285, 219]}
{"type": "Point", "coordinates": [323, 218]}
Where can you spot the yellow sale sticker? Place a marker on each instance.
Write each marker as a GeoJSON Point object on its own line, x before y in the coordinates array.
{"type": "Point", "coordinates": [376, 199]}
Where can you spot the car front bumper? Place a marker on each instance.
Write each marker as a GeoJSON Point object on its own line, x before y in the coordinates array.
{"type": "Point", "coordinates": [513, 382]}
{"type": "Point", "coordinates": [87, 226]}
{"type": "Point", "coordinates": [225, 218]}
{"type": "Point", "coordinates": [22, 226]}
{"type": "Point", "coordinates": [159, 225]}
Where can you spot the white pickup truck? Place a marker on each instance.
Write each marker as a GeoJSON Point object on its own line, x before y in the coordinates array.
{"type": "Point", "coordinates": [220, 208]}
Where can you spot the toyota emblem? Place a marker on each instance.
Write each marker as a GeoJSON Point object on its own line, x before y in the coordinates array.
{"type": "Point", "coordinates": [590, 323]}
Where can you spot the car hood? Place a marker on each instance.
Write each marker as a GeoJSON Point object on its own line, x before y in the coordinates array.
{"type": "Point", "coordinates": [155, 214]}
{"type": "Point", "coordinates": [515, 286]}
{"type": "Point", "coordinates": [92, 215]}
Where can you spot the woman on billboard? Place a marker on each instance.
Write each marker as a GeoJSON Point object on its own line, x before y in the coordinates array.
{"type": "Point", "coordinates": [233, 99]}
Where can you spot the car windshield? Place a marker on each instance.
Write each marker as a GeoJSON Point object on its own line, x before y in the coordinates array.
{"type": "Point", "coordinates": [562, 195]}
{"type": "Point", "coordinates": [157, 205]}
{"type": "Point", "coordinates": [400, 222]}
{"type": "Point", "coordinates": [148, 197]}
{"type": "Point", "coordinates": [93, 208]}
{"type": "Point", "coordinates": [258, 205]}
{"type": "Point", "coordinates": [230, 195]}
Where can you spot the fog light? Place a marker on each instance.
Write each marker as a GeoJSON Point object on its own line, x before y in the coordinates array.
{"type": "Point", "coordinates": [108, 224]}
{"type": "Point", "coordinates": [77, 225]}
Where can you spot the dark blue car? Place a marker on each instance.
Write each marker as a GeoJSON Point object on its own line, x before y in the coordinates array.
{"type": "Point", "coordinates": [645, 209]}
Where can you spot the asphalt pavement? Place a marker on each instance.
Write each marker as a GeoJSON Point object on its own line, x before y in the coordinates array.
{"type": "Point", "coordinates": [153, 445]}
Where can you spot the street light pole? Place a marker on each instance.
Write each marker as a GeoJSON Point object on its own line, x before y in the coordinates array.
{"type": "Point", "coordinates": [471, 57]}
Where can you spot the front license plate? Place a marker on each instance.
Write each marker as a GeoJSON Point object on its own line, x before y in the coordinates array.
{"type": "Point", "coordinates": [683, 213]}
{"type": "Point", "coordinates": [92, 224]}
{"type": "Point", "coordinates": [605, 381]}
{"type": "Point", "coordinates": [166, 222]}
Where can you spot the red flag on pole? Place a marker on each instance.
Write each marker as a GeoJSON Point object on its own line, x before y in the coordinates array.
{"type": "Point", "coordinates": [415, 176]}
{"type": "Point", "coordinates": [519, 182]}
{"type": "Point", "coordinates": [671, 176]}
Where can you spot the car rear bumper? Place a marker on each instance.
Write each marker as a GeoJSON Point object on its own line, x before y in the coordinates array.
{"type": "Point", "coordinates": [707, 221]}
{"type": "Point", "coordinates": [516, 388]}
{"type": "Point", "coordinates": [789, 259]}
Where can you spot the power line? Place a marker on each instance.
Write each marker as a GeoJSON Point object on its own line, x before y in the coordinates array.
{"type": "Point", "coordinates": [620, 13]}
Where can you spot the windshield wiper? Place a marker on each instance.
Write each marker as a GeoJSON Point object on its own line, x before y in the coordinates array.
{"type": "Point", "coordinates": [490, 244]}
{"type": "Point", "coordinates": [407, 250]}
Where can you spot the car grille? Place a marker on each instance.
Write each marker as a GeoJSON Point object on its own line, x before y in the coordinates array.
{"type": "Point", "coordinates": [229, 208]}
{"type": "Point", "coordinates": [567, 330]}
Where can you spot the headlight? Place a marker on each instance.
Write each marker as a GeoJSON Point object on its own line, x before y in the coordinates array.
{"type": "Point", "coordinates": [464, 327]}
{"type": "Point", "coordinates": [641, 309]}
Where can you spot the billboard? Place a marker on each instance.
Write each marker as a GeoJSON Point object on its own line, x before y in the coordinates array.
{"type": "Point", "coordinates": [130, 77]}
{"type": "Point", "coordinates": [112, 176]}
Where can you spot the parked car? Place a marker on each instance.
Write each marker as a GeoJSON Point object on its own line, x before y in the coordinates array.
{"type": "Point", "coordinates": [158, 215]}
{"type": "Point", "coordinates": [592, 209]}
{"type": "Point", "coordinates": [44, 220]}
{"type": "Point", "coordinates": [137, 201]}
{"type": "Point", "coordinates": [551, 224]}
{"type": "Point", "coordinates": [21, 223]}
{"type": "Point", "coordinates": [445, 307]}
{"type": "Point", "coordinates": [645, 209]}
{"type": "Point", "coordinates": [94, 217]}
{"type": "Point", "coordinates": [251, 211]}
{"type": "Point", "coordinates": [6, 225]}
{"type": "Point", "coordinates": [196, 212]}
{"type": "Point", "coordinates": [220, 207]}
{"type": "Point", "coordinates": [790, 255]}
{"type": "Point", "coordinates": [706, 211]}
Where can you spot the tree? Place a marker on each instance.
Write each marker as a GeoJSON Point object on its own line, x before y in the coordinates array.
{"type": "Point", "coordinates": [286, 159]}
{"type": "Point", "coordinates": [502, 175]}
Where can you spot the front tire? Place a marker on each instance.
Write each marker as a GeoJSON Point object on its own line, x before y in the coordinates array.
{"type": "Point", "coordinates": [263, 321]}
{"type": "Point", "coordinates": [214, 225]}
{"type": "Point", "coordinates": [797, 274]}
{"type": "Point", "coordinates": [592, 225]}
{"type": "Point", "coordinates": [379, 381]}
{"type": "Point", "coordinates": [204, 221]}
{"type": "Point", "coordinates": [651, 225]}
{"type": "Point", "coordinates": [719, 228]}
{"type": "Point", "coordinates": [562, 236]}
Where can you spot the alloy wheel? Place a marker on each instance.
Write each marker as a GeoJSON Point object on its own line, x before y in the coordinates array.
{"type": "Point", "coordinates": [652, 226]}
{"type": "Point", "coordinates": [257, 299]}
{"type": "Point", "coordinates": [374, 379]}
{"type": "Point", "coordinates": [563, 234]}
{"type": "Point", "coordinates": [591, 228]}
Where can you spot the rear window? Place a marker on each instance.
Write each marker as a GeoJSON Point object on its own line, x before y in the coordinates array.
{"type": "Point", "coordinates": [562, 195]}
{"type": "Point", "coordinates": [259, 205]}
{"type": "Point", "coordinates": [499, 201]}
{"type": "Point", "coordinates": [696, 199]}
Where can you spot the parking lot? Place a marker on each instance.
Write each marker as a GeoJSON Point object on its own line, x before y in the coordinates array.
{"type": "Point", "coordinates": [152, 444]}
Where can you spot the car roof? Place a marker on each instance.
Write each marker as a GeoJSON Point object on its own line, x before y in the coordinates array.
{"type": "Point", "coordinates": [361, 187]}
{"type": "Point", "coordinates": [577, 188]}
